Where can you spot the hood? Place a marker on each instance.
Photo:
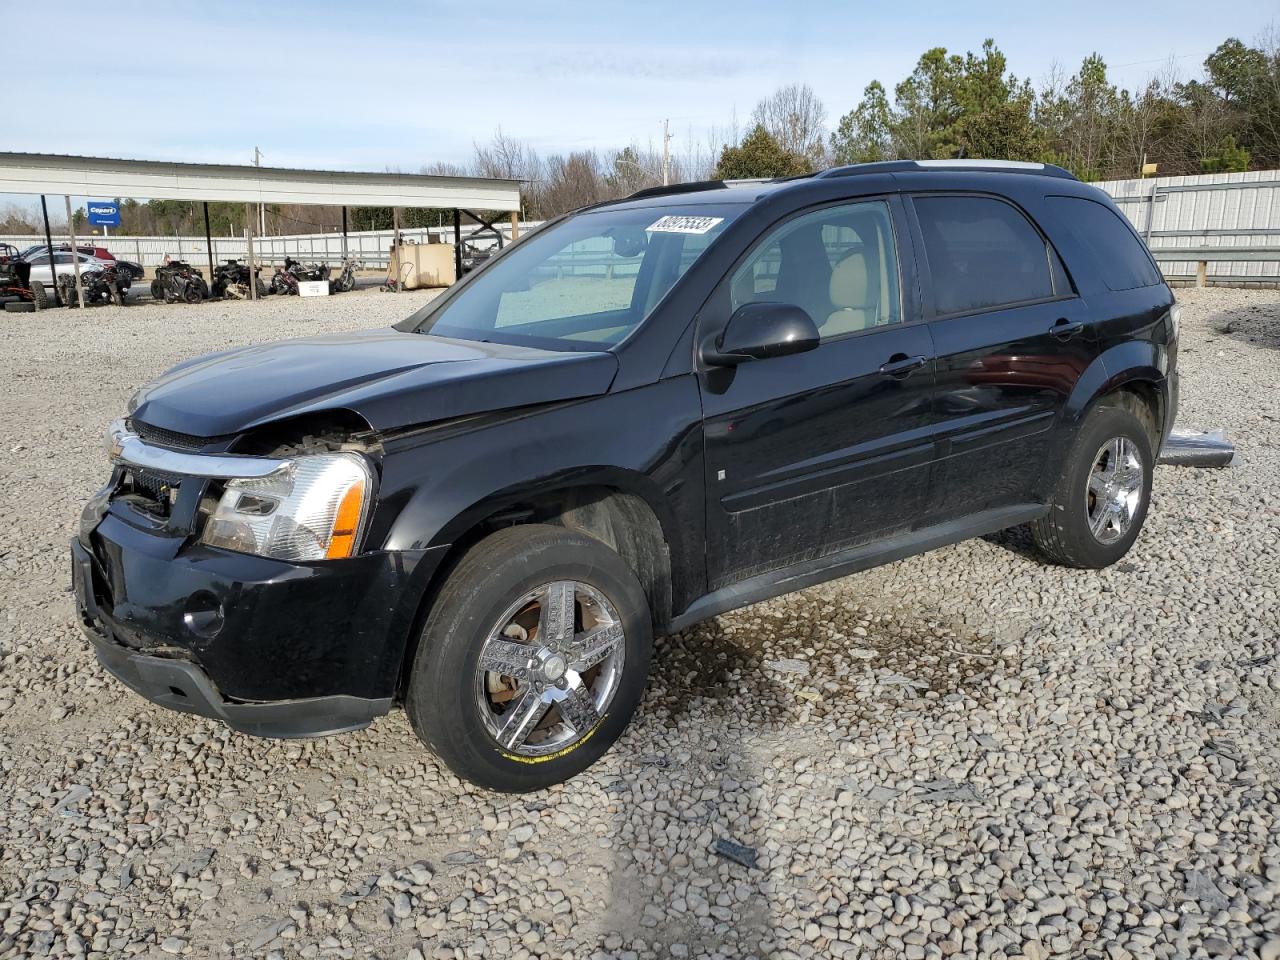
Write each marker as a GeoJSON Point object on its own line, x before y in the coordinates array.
{"type": "Point", "coordinates": [391, 379]}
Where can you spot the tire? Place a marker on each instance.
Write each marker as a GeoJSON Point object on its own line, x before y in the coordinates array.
{"type": "Point", "coordinates": [1089, 496]}
{"type": "Point", "coordinates": [39, 296]}
{"type": "Point", "coordinates": [20, 306]}
{"type": "Point", "coordinates": [117, 298]}
{"type": "Point", "coordinates": [157, 291]}
{"type": "Point", "coordinates": [460, 719]}
{"type": "Point", "coordinates": [191, 293]}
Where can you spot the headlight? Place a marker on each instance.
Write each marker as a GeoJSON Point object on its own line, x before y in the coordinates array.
{"type": "Point", "coordinates": [313, 508]}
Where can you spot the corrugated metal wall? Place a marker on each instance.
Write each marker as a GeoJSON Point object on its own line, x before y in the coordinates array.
{"type": "Point", "coordinates": [1236, 211]}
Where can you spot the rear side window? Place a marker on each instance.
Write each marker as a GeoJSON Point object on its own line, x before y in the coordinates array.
{"type": "Point", "coordinates": [984, 254]}
{"type": "Point", "coordinates": [1118, 255]}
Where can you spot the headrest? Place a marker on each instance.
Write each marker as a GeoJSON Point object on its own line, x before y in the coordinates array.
{"type": "Point", "coordinates": [849, 282]}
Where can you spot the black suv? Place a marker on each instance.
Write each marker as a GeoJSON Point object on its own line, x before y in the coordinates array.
{"type": "Point", "coordinates": [644, 414]}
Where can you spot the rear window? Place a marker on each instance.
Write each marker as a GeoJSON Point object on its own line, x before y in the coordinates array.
{"type": "Point", "coordinates": [1120, 258]}
{"type": "Point", "coordinates": [983, 254]}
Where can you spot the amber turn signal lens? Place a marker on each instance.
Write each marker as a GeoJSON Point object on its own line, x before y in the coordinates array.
{"type": "Point", "coordinates": [347, 523]}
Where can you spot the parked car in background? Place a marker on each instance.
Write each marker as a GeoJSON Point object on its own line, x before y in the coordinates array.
{"type": "Point", "coordinates": [134, 269]}
{"type": "Point", "coordinates": [647, 413]}
{"type": "Point", "coordinates": [42, 273]}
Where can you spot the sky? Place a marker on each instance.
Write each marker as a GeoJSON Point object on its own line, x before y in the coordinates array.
{"type": "Point", "coordinates": [377, 86]}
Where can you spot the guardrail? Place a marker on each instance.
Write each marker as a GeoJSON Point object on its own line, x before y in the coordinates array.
{"type": "Point", "coordinates": [1203, 256]}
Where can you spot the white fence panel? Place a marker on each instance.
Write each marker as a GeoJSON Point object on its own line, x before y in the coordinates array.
{"type": "Point", "coordinates": [370, 247]}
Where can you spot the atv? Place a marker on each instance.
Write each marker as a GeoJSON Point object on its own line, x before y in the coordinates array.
{"type": "Point", "coordinates": [15, 281]}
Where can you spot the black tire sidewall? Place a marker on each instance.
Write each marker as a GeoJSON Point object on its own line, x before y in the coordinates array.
{"type": "Point", "coordinates": [1103, 424]}
{"type": "Point", "coordinates": [440, 699]}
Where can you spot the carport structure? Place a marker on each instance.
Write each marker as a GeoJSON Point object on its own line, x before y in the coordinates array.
{"type": "Point", "coordinates": [52, 174]}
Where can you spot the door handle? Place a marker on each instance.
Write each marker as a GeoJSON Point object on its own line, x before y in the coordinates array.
{"type": "Point", "coordinates": [900, 366]}
{"type": "Point", "coordinates": [1065, 329]}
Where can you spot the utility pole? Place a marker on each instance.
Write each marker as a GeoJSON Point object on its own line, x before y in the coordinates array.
{"type": "Point", "coordinates": [262, 209]}
{"type": "Point", "coordinates": [666, 153]}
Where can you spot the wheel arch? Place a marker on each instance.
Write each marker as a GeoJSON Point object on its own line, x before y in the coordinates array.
{"type": "Point", "coordinates": [1137, 369]}
{"type": "Point", "coordinates": [607, 507]}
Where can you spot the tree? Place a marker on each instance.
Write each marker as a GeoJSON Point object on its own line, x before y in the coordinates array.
{"type": "Point", "coordinates": [865, 133]}
{"type": "Point", "coordinates": [573, 181]}
{"type": "Point", "coordinates": [995, 111]}
{"type": "Point", "coordinates": [795, 117]}
{"type": "Point", "coordinates": [927, 105]}
{"type": "Point", "coordinates": [759, 155]}
{"type": "Point", "coordinates": [628, 171]}
{"type": "Point", "coordinates": [16, 220]}
{"type": "Point", "coordinates": [1228, 159]}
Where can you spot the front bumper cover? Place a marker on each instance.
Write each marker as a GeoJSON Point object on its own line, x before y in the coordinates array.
{"type": "Point", "coordinates": [293, 650]}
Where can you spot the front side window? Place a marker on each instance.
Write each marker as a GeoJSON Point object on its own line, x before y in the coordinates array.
{"type": "Point", "coordinates": [839, 264]}
{"type": "Point", "coordinates": [582, 284]}
{"type": "Point", "coordinates": [984, 254]}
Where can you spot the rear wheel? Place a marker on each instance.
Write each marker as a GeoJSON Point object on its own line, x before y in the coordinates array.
{"type": "Point", "coordinates": [39, 295]}
{"type": "Point", "coordinates": [1101, 501]}
{"type": "Point", "coordinates": [533, 659]}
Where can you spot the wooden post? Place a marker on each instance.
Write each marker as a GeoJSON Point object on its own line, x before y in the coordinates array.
{"type": "Point", "coordinates": [75, 254]}
{"type": "Point", "coordinates": [248, 250]}
{"type": "Point", "coordinates": [395, 249]}
{"type": "Point", "coordinates": [1202, 274]}
{"type": "Point", "coordinates": [515, 225]}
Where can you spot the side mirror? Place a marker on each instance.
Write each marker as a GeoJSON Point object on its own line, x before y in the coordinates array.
{"type": "Point", "coordinates": [760, 331]}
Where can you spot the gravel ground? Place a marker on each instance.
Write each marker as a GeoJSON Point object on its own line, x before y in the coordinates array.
{"type": "Point", "coordinates": [964, 754]}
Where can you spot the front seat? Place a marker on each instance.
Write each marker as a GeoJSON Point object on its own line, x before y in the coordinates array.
{"type": "Point", "coordinates": [851, 296]}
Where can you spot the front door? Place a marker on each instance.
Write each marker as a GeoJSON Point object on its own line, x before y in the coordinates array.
{"type": "Point", "coordinates": [1012, 340]}
{"type": "Point", "coordinates": [813, 453]}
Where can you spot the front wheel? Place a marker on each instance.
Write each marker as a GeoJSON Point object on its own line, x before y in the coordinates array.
{"type": "Point", "coordinates": [533, 659]}
{"type": "Point", "coordinates": [1101, 501]}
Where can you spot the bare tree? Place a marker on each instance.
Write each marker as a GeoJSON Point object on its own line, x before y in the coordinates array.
{"type": "Point", "coordinates": [571, 182]}
{"type": "Point", "coordinates": [511, 159]}
{"type": "Point", "coordinates": [796, 118]}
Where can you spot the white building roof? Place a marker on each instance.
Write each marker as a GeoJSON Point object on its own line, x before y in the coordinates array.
{"type": "Point", "coordinates": [102, 177]}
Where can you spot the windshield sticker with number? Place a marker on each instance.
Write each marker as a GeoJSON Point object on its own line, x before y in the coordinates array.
{"type": "Point", "coordinates": [684, 224]}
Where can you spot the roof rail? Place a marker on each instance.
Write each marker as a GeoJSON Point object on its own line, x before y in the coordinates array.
{"type": "Point", "coordinates": [903, 166]}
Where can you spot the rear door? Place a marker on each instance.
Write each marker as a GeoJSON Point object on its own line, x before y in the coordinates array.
{"type": "Point", "coordinates": [813, 453]}
{"type": "Point", "coordinates": [1012, 339]}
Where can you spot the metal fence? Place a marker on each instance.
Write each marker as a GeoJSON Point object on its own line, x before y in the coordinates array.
{"type": "Point", "coordinates": [1217, 228]}
{"type": "Point", "coordinates": [370, 247]}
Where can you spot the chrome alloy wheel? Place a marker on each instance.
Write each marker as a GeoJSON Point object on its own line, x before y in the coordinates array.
{"type": "Point", "coordinates": [1115, 489]}
{"type": "Point", "coordinates": [549, 669]}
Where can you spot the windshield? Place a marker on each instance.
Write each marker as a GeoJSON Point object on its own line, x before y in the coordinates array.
{"type": "Point", "coordinates": [583, 284]}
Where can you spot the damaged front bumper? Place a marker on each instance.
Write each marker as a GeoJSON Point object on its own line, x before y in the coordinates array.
{"type": "Point", "coordinates": [270, 648]}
